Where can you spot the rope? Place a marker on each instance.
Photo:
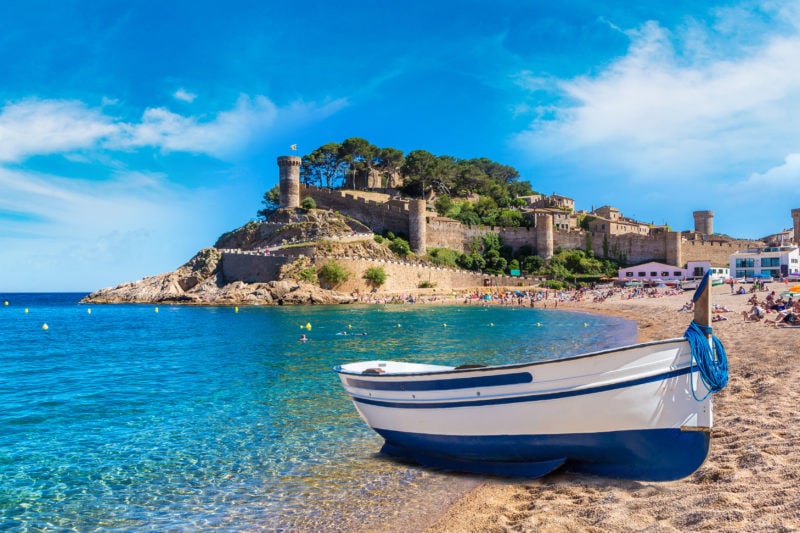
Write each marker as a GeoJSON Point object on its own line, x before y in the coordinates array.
{"type": "Point", "coordinates": [711, 363]}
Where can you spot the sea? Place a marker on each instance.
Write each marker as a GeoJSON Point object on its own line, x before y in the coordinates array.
{"type": "Point", "coordinates": [183, 418]}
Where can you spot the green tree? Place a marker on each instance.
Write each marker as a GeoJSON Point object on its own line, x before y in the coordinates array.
{"type": "Point", "coordinates": [324, 166]}
{"type": "Point", "coordinates": [390, 161]}
{"type": "Point", "coordinates": [443, 205]}
{"type": "Point", "coordinates": [360, 156]}
{"type": "Point", "coordinates": [376, 276]}
{"type": "Point", "coordinates": [271, 202]}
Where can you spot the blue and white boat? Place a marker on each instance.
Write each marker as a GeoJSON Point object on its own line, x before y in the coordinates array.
{"type": "Point", "coordinates": [637, 412]}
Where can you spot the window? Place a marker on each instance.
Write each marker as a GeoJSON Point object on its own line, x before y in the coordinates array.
{"type": "Point", "coordinates": [642, 274]}
{"type": "Point", "coordinates": [770, 262]}
{"type": "Point", "coordinates": [745, 263]}
{"type": "Point", "coordinates": [653, 274]}
{"type": "Point", "coordinates": [629, 274]}
{"type": "Point", "coordinates": [664, 274]}
{"type": "Point", "coordinates": [677, 273]}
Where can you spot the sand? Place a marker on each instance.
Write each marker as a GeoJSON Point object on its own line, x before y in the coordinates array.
{"type": "Point", "coordinates": [748, 483]}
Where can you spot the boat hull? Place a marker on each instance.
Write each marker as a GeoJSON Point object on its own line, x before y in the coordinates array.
{"type": "Point", "coordinates": [638, 412]}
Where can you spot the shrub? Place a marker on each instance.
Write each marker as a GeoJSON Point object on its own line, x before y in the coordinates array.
{"type": "Point", "coordinates": [378, 239]}
{"type": "Point", "coordinates": [333, 274]}
{"type": "Point", "coordinates": [309, 275]}
{"type": "Point", "coordinates": [308, 203]}
{"type": "Point", "coordinates": [400, 247]}
{"type": "Point", "coordinates": [426, 285]}
{"type": "Point", "coordinates": [376, 276]}
{"type": "Point", "coordinates": [443, 256]}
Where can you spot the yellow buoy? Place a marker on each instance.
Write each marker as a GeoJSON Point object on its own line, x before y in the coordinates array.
{"type": "Point", "coordinates": [156, 309]}
{"type": "Point", "coordinates": [308, 326]}
{"type": "Point", "coordinates": [26, 310]}
{"type": "Point", "coordinates": [491, 324]}
{"type": "Point", "coordinates": [5, 303]}
{"type": "Point", "coordinates": [444, 325]}
{"type": "Point", "coordinates": [399, 326]}
{"type": "Point", "coordinates": [349, 326]}
{"type": "Point", "coordinates": [585, 325]}
{"type": "Point", "coordinates": [45, 327]}
{"type": "Point", "coordinates": [236, 309]}
{"type": "Point", "coordinates": [89, 311]}
{"type": "Point", "coordinates": [538, 324]}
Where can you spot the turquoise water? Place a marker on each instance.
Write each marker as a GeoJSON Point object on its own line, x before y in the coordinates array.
{"type": "Point", "coordinates": [141, 418]}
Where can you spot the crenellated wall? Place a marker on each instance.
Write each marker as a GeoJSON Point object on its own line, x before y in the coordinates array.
{"type": "Point", "coordinates": [401, 276]}
{"type": "Point", "coordinates": [394, 215]}
{"type": "Point", "coordinates": [380, 216]}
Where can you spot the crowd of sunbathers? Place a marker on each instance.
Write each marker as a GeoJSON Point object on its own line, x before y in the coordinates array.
{"type": "Point", "coordinates": [787, 311]}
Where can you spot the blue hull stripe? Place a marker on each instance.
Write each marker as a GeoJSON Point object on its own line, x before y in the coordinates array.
{"type": "Point", "coordinates": [646, 455]}
{"type": "Point", "coordinates": [443, 384]}
{"type": "Point", "coordinates": [519, 399]}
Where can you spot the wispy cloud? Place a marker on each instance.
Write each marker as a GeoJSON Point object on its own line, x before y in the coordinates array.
{"type": "Point", "coordinates": [44, 127]}
{"type": "Point", "coordinates": [40, 127]}
{"type": "Point", "coordinates": [674, 108]}
{"type": "Point", "coordinates": [184, 96]}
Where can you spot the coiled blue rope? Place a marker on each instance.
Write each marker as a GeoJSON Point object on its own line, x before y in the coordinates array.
{"type": "Point", "coordinates": [712, 364]}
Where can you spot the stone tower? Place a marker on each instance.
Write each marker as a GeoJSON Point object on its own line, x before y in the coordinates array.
{"type": "Point", "coordinates": [673, 246]}
{"type": "Point", "coordinates": [796, 219]}
{"type": "Point", "coordinates": [417, 226]}
{"type": "Point", "coordinates": [290, 180]}
{"type": "Point", "coordinates": [704, 222]}
{"type": "Point", "coordinates": [544, 236]}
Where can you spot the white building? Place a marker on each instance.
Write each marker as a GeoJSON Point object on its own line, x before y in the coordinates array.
{"type": "Point", "coordinates": [774, 261]}
{"type": "Point", "coordinates": [654, 271]}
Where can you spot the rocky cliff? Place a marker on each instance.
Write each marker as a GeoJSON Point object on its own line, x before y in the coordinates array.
{"type": "Point", "coordinates": [200, 280]}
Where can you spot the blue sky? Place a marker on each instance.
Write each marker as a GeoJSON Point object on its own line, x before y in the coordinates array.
{"type": "Point", "coordinates": [134, 133]}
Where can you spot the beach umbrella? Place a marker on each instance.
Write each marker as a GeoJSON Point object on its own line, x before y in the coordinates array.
{"type": "Point", "coordinates": [795, 289]}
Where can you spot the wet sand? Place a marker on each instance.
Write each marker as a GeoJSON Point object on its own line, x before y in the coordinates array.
{"type": "Point", "coordinates": [748, 483]}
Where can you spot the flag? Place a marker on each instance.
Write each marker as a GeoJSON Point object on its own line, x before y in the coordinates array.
{"type": "Point", "coordinates": [293, 147]}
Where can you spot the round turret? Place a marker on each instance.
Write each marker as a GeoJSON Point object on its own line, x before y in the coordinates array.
{"type": "Point", "coordinates": [289, 166]}
{"type": "Point", "coordinates": [704, 222]}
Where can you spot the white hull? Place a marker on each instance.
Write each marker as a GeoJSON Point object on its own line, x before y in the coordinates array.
{"type": "Point", "coordinates": [617, 394]}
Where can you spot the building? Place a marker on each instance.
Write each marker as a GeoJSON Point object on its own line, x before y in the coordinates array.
{"type": "Point", "coordinates": [655, 271]}
{"type": "Point", "coordinates": [607, 220]}
{"type": "Point", "coordinates": [561, 219]}
{"type": "Point", "coordinates": [773, 261]}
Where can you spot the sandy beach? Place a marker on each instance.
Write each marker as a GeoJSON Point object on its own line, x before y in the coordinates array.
{"type": "Point", "coordinates": [749, 481]}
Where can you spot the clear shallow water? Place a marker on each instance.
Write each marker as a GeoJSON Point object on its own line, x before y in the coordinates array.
{"type": "Point", "coordinates": [196, 418]}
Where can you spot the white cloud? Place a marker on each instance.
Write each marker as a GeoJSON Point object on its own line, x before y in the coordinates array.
{"type": "Point", "coordinates": [41, 127]}
{"type": "Point", "coordinates": [184, 96]}
{"type": "Point", "coordinates": [675, 107]}
{"type": "Point", "coordinates": [44, 127]}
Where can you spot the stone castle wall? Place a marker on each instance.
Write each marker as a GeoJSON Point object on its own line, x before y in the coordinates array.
{"type": "Point", "coordinates": [251, 267]}
{"type": "Point", "coordinates": [380, 216]}
{"type": "Point", "coordinates": [447, 233]}
{"type": "Point", "coordinates": [401, 276]}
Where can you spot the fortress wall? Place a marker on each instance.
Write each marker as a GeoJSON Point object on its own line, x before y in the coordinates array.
{"type": "Point", "coordinates": [378, 216]}
{"type": "Point", "coordinates": [446, 233]}
{"type": "Point", "coordinates": [717, 252]}
{"type": "Point", "coordinates": [407, 276]}
{"type": "Point", "coordinates": [518, 237]}
{"type": "Point", "coordinates": [251, 268]}
{"type": "Point", "coordinates": [394, 216]}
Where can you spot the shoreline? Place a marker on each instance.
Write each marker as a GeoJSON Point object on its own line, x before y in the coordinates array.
{"type": "Point", "coordinates": [747, 482]}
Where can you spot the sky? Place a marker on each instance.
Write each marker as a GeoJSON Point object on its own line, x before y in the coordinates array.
{"type": "Point", "coordinates": [135, 133]}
